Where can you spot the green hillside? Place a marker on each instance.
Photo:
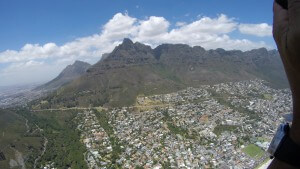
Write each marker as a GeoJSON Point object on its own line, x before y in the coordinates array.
{"type": "Point", "coordinates": [133, 69]}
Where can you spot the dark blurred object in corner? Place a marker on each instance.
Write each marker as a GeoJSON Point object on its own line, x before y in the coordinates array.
{"type": "Point", "coordinates": [283, 3]}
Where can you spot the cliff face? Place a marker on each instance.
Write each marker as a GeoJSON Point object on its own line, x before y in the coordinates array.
{"type": "Point", "coordinates": [134, 68]}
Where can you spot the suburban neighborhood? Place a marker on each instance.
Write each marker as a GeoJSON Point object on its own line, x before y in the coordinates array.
{"type": "Point", "coordinates": [228, 125]}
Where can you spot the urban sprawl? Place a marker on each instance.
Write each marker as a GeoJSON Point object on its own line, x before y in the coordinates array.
{"type": "Point", "coordinates": [228, 125]}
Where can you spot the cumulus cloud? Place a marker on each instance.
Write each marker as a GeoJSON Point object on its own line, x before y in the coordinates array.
{"type": "Point", "coordinates": [260, 30]}
{"type": "Point", "coordinates": [206, 25]}
{"type": "Point", "coordinates": [208, 32]}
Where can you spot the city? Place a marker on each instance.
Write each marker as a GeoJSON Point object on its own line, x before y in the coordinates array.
{"type": "Point", "coordinates": [228, 125]}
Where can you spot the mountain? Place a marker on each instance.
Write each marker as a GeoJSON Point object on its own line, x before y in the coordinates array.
{"type": "Point", "coordinates": [132, 69]}
{"type": "Point", "coordinates": [70, 73]}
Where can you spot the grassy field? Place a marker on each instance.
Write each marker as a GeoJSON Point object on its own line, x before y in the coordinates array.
{"type": "Point", "coordinates": [267, 96]}
{"type": "Point", "coordinates": [218, 130]}
{"type": "Point", "coordinates": [253, 151]}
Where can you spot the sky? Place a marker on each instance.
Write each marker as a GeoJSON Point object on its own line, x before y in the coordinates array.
{"type": "Point", "coordinates": [38, 38]}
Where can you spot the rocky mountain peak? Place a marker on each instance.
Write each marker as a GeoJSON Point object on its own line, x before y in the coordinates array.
{"type": "Point", "coordinates": [80, 63]}
{"type": "Point", "coordinates": [70, 73]}
{"type": "Point", "coordinates": [126, 44]}
{"type": "Point", "coordinates": [130, 53]}
{"type": "Point", "coordinates": [127, 41]}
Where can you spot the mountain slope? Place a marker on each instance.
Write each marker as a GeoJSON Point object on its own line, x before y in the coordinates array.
{"type": "Point", "coordinates": [133, 69]}
{"type": "Point", "coordinates": [70, 73]}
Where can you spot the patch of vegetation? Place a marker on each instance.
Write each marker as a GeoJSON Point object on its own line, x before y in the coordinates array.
{"type": "Point", "coordinates": [166, 73]}
{"type": "Point", "coordinates": [262, 139]}
{"type": "Point", "coordinates": [166, 165]}
{"type": "Point", "coordinates": [175, 129]}
{"type": "Point", "coordinates": [255, 94]}
{"type": "Point", "coordinates": [222, 100]}
{"type": "Point", "coordinates": [267, 96]}
{"type": "Point", "coordinates": [253, 151]}
{"type": "Point", "coordinates": [114, 87]}
{"type": "Point", "coordinates": [64, 147]}
{"type": "Point", "coordinates": [222, 128]}
{"type": "Point", "coordinates": [166, 117]}
{"type": "Point", "coordinates": [139, 167]}
{"type": "Point", "coordinates": [115, 142]}
{"type": "Point", "coordinates": [15, 136]}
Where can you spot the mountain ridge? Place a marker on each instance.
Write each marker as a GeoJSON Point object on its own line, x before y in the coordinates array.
{"type": "Point", "coordinates": [132, 69]}
{"type": "Point", "coordinates": [68, 74]}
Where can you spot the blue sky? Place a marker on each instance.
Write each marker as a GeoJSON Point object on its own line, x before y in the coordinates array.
{"type": "Point", "coordinates": [36, 21]}
{"type": "Point", "coordinates": [60, 22]}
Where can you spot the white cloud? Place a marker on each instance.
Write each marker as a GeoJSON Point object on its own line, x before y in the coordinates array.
{"type": "Point", "coordinates": [205, 25]}
{"type": "Point", "coordinates": [260, 30]}
{"type": "Point", "coordinates": [179, 24]}
{"type": "Point", "coordinates": [152, 30]}
{"type": "Point", "coordinates": [208, 32]}
{"type": "Point", "coordinates": [154, 26]}
{"type": "Point", "coordinates": [32, 60]}
{"type": "Point", "coordinates": [119, 27]}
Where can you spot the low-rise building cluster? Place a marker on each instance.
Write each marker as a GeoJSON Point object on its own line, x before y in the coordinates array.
{"type": "Point", "coordinates": [205, 127]}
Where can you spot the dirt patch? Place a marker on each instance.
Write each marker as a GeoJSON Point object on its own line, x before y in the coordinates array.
{"type": "Point", "coordinates": [18, 161]}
